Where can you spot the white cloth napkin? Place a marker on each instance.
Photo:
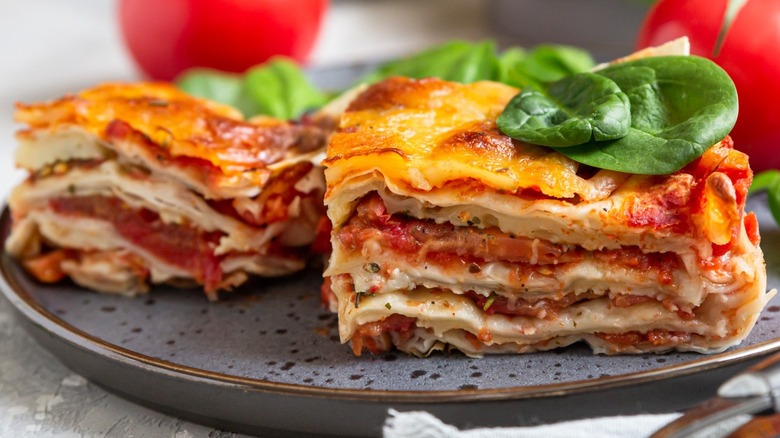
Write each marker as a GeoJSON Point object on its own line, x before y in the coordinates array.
{"type": "Point", "coordinates": [415, 424]}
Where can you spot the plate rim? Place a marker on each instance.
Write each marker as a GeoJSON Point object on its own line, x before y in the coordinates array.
{"type": "Point", "coordinates": [35, 312]}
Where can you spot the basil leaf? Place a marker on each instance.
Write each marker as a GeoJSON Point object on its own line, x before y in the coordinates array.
{"type": "Point", "coordinates": [275, 88]}
{"type": "Point", "coordinates": [680, 106]}
{"type": "Point", "coordinates": [508, 60]}
{"type": "Point", "coordinates": [763, 180]}
{"type": "Point", "coordinates": [773, 199]}
{"type": "Point", "coordinates": [465, 62]}
{"type": "Point", "coordinates": [572, 111]}
{"type": "Point", "coordinates": [769, 180]}
{"type": "Point", "coordinates": [545, 64]}
{"type": "Point", "coordinates": [568, 59]}
{"type": "Point", "coordinates": [456, 61]}
{"type": "Point", "coordinates": [211, 84]}
{"type": "Point", "coordinates": [278, 88]}
{"type": "Point", "coordinates": [478, 64]}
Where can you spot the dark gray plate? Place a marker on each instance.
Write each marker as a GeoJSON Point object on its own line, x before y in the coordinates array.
{"type": "Point", "coordinates": [267, 360]}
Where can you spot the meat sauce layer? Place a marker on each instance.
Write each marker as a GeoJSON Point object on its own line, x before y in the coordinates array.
{"type": "Point", "coordinates": [180, 245]}
{"type": "Point", "coordinates": [368, 336]}
{"type": "Point", "coordinates": [424, 241]}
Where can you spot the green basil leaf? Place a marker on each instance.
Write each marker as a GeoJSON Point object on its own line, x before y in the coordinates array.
{"type": "Point", "coordinates": [680, 106]}
{"type": "Point", "coordinates": [478, 64]}
{"type": "Point", "coordinates": [211, 84]}
{"type": "Point", "coordinates": [456, 61]}
{"type": "Point", "coordinates": [545, 64]}
{"type": "Point", "coordinates": [508, 60]}
{"type": "Point", "coordinates": [572, 111]}
{"type": "Point", "coordinates": [419, 64]}
{"type": "Point", "coordinates": [512, 56]}
{"type": "Point", "coordinates": [773, 199]}
{"type": "Point", "coordinates": [466, 62]}
{"type": "Point", "coordinates": [763, 180]}
{"type": "Point", "coordinates": [278, 88]}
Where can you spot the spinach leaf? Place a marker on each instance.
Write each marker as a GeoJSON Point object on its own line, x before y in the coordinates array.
{"type": "Point", "coordinates": [763, 180]}
{"type": "Point", "coordinates": [680, 106]}
{"type": "Point", "coordinates": [543, 65]}
{"type": "Point", "coordinates": [211, 84]}
{"type": "Point", "coordinates": [466, 62]}
{"type": "Point", "coordinates": [572, 111]}
{"type": "Point", "coordinates": [279, 88]}
{"type": "Point", "coordinates": [769, 180]}
{"type": "Point", "coordinates": [457, 61]}
{"type": "Point", "coordinates": [773, 198]}
{"type": "Point", "coordinates": [508, 60]}
{"type": "Point", "coordinates": [276, 88]}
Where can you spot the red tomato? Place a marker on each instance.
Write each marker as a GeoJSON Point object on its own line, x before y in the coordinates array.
{"type": "Point", "coordinates": [168, 36]}
{"type": "Point", "coordinates": [750, 55]}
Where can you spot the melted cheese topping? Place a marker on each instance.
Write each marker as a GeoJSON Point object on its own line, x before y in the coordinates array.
{"type": "Point", "coordinates": [160, 126]}
{"type": "Point", "coordinates": [426, 133]}
{"type": "Point", "coordinates": [419, 143]}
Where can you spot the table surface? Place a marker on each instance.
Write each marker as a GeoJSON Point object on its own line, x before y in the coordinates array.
{"type": "Point", "coordinates": [50, 47]}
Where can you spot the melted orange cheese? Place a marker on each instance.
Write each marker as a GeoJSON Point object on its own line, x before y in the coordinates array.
{"type": "Point", "coordinates": [179, 124]}
{"type": "Point", "coordinates": [428, 133]}
{"type": "Point", "coordinates": [432, 136]}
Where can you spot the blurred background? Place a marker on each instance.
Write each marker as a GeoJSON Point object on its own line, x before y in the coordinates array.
{"type": "Point", "coordinates": [50, 47]}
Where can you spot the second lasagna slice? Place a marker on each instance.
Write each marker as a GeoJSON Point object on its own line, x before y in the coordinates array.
{"type": "Point", "coordinates": [448, 234]}
{"type": "Point", "coordinates": [133, 184]}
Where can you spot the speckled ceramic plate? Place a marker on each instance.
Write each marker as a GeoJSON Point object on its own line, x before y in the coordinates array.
{"type": "Point", "coordinates": [267, 360]}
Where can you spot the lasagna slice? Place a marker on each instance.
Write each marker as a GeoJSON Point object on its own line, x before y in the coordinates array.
{"type": "Point", "coordinates": [449, 234]}
{"type": "Point", "coordinates": [134, 184]}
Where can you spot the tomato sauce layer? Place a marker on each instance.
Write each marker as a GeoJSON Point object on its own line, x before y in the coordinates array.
{"type": "Point", "coordinates": [549, 309]}
{"type": "Point", "coordinates": [423, 241]}
{"type": "Point", "coordinates": [369, 336]}
{"type": "Point", "coordinates": [180, 245]}
{"type": "Point", "coordinates": [366, 336]}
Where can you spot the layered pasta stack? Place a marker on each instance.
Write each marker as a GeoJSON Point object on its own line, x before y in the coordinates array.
{"type": "Point", "coordinates": [134, 184]}
{"type": "Point", "coordinates": [449, 234]}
